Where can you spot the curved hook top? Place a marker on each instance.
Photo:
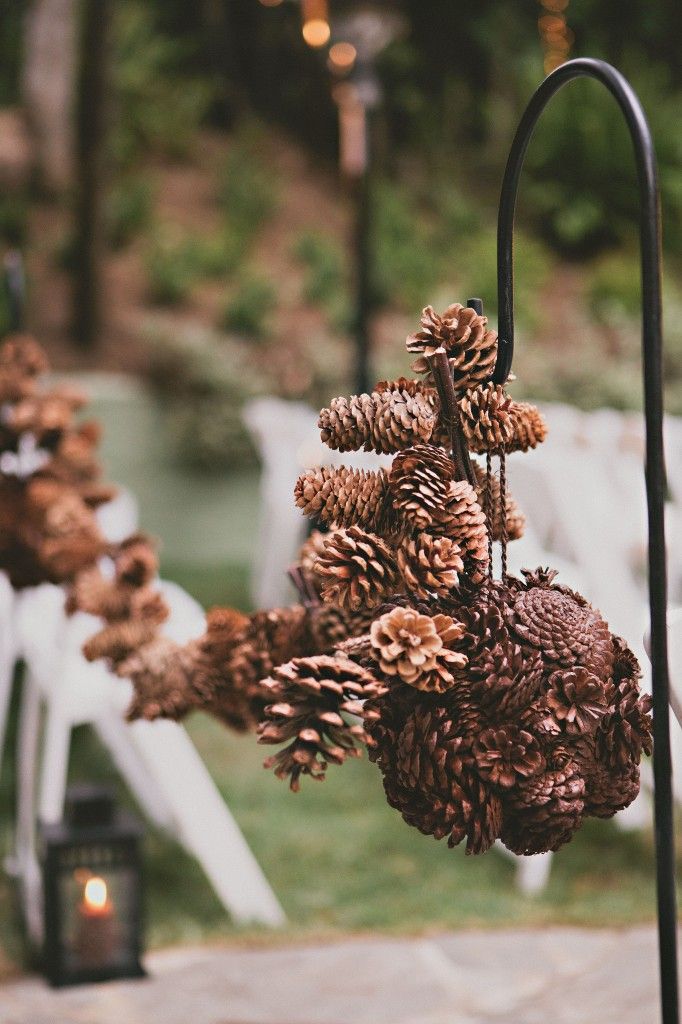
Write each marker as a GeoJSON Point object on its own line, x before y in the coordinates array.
{"type": "Point", "coordinates": [620, 88]}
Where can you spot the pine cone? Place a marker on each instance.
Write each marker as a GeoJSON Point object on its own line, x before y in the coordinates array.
{"type": "Point", "coordinates": [414, 648]}
{"type": "Point", "coordinates": [429, 565]}
{"type": "Point", "coordinates": [136, 560]}
{"type": "Point", "coordinates": [21, 361]}
{"type": "Point", "coordinates": [543, 812]}
{"type": "Point", "coordinates": [516, 520]}
{"type": "Point", "coordinates": [485, 418]}
{"type": "Point", "coordinates": [385, 421]}
{"type": "Point", "coordinates": [471, 348]}
{"type": "Point", "coordinates": [506, 679]}
{"type": "Point", "coordinates": [506, 753]}
{"type": "Point", "coordinates": [119, 640]}
{"type": "Point", "coordinates": [311, 695]}
{"type": "Point", "coordinates": [564, 630]}
{"type": "Point", "coordinates": [357, 568]}
{"type": "Point", "coordinates": [625, 733]}
{"type": "Point", "coordinates": [329, 626]}
{"type": "Point", "coordinates": [529, 428]}
{"type": "Point", "coordinates": [419, 483]}
{"type": "Point", "coordinates": [578, 699]}
{"type": "Point", "coordinates": [610, 790]}
{"type": "Point", "coordinates": [161, 674]}
{"type": "Point", "coordinates": [462, 520]}
{"type": "Point", "coordinates": [346, 497]}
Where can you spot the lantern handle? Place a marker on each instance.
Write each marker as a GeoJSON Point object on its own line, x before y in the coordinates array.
{"type": "Point", "coordinates": [652, 348]}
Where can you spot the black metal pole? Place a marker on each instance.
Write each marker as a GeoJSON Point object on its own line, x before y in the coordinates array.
{"type": "Point", "coordinates": [15, 290]}
{"type": "Point", "coordinates": [652, 346]}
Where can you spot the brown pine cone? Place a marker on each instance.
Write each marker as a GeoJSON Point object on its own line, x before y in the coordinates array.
{"type": "Point", "coordinates": [529, 428]}
{"type": "Point", "coordinates": [419, 483]}
{"type": "Point", "coordinates": [506, 679]}
{"type": "Point", "coordinates": [415, 648]}
{"type": "Point", "coordinates": [516, 520]}
{"type": "Point", "coordinates": [485, 418]}
{"type": "Point", "coordinates": [578, 699]}
{"type": "Point", "coordinates": [505, 753]}
{"type": "Point", "coordinates": [329, 626]}
{"type": "Point", "coordinates": [462, 520]}
{"type": "Point", "coordinates": [610, 790]}
{"type": "Point", "coordinates": [118, 640]}
{"type": "Point", "coordinates": [341, 497]}
{"type": "Point", "coordinates": [564, 630]}
{"type": "Point", "coordinates": [625, 664]}
{"type": "Point", "coordinates": [385, 421]}
{"type": "Point", "coordinates": [161, 673]}
{"type": "Point", "coordinates": [136, 560]}
{"type": "Point", "coordinates": [543, 812]}
{"type": "Point", "coordinates": [357, 569]}
{"type": "Point", "coordinates": [471, 347]}
{"type": "Point", "coordinates": [310, 696]}
{"type": "Point", "coordinates": [429, 565]}
{"type": "Point", "coordinates": [21, 360]}
{"type": "Point", "coordinates": [625, 733]}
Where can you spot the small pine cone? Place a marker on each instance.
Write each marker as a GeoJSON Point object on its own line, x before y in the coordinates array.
{"type": "Point", "coordinates": [463, 520]}
{"type": "Point", "coordinates": [136, 560]}
{"type": "Point", "coordinates": [505, 753]}
{"type": "Point", "coordinates": [529, 428]}
{"type": "Point", "coordinates": [310, 696]}
{"type": "Point", "coordinates": [485, 418]}
{"type": "Point", "coordinates": [506, 679]}
{"type": "Point", "coordinates": [119, 640]}
{"type": "Point", "coordinates": [415, 648]}
{"type": "Point", "coordinates": [610, 790]}
{"type": "Point", "coordinates": [625, 733]}
{"type": "Point", "coordinates": [471, 348]}
{"type": "Point", "coordinates": [543, 812]}
{"type": "Point", "coordinates": [578, 700]}
{"type": "Point", "coordinates": [625, 664]}
{"type": "Point", "coordinates": [431, 750]}
{"type": "Point", "coordinates": [311, 548]}
{"type": "Point", "coordinates": [225, 630]}
{"type": "Point", "coordinates": [161, 674]}
{"type": "Point", "coordinates": [563, 629]}
{"type": "Point", "coordinates": [93, 593]}
{"type": "Point", "coordinates": [516, 520]}
{"type": "Point", "coordinates": [419, 482]}
{"type": "Point", "coordinates": [357, 568]}
{"type": "Point", "coordinates": [429, 565]}
{"type": "Point", "coordinates": [341, 497]}
{"type": "Point", "coordinates": [407, 384]}
{"type": "Point", "coordinates": [329, 626]}
{"type": "Point", "coordinates": [22, 354]}
{"type": "Point", "coordinates": [385, 421]}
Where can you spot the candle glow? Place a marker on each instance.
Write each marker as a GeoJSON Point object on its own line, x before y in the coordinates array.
{"type": "Point", "coordinates": [95, 893]}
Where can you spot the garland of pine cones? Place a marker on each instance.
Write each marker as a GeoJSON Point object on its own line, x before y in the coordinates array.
{"type": "Point", "coordinates": [494, 709]}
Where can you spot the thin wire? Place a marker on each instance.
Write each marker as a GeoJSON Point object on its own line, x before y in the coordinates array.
{"type": "Point", "coordinates": [503, 512]}
{"type": "Point", "coordinates": [489, 509]}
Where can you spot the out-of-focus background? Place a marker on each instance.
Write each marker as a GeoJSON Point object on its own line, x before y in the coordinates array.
{"type": "Point", "coordinates": [173, 175]}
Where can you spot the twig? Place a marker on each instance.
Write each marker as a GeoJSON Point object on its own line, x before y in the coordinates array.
{"type": "Point", "coordinates": [440, 367]}
{"type": "Point", "coordinates": [308, 595]}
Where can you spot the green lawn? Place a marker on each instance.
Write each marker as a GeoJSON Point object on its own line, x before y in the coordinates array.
{"type": "Point", "coordinates": [341, 860]}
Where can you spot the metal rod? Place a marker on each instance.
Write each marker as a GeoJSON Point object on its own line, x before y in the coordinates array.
{"type": "Point", "coordinates": [652, 346]}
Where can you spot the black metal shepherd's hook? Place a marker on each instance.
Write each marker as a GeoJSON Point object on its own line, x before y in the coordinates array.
{"type": "Point", "coordinates": [650, 240]}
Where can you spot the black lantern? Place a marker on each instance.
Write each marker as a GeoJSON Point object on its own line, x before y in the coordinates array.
{"type": "Point", "coordinates": [92, 891]}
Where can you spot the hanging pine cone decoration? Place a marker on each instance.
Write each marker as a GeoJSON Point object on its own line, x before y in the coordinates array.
{"type": "Point", "coordinates": [494, 709]}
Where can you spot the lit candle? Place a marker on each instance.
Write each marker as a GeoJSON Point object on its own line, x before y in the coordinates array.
{"type": "Point", "coordinates": [97, 927]}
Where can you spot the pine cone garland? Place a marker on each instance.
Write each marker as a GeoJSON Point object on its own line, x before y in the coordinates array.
{"type": "Point", "coordinates": [419, 483]}
{"type": "Point", "coordinates": [485, 418]}
{"type": "Point", "coordinates": [385, 421]}
{"type": "Point", "coordinates": [529, 428]}
{"type": "Point", "coordinates": [161, 672]}
{"type": "Point", "coordinates": [311, 696]}
{"type": "Point", "coordinates": [357, 569]}
{"type": "Point", "coordinates": [471, 347]}
{"type": "Point", "coordinates": [341, 497]}
{"type": "Point", "coordinates": [429, 565]}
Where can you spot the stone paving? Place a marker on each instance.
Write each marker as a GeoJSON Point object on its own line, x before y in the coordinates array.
{"type": "Point", "coordinates": [557, 975]}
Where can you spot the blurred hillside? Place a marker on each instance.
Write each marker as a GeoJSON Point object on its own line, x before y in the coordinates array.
{"type": "Point", "coordinates": [225, 251]}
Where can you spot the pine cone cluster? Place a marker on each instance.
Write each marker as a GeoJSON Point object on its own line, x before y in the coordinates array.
{"type": "Point", "coordinates": [542, 725]}
{"type": "Point", "coordinates": [50, 478]}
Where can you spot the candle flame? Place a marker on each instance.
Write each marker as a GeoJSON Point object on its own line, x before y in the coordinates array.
{"type": "Point", "coordinates": [95, 892]}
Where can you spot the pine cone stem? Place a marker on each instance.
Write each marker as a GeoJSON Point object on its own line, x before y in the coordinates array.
{"type": "Point", "coordinates": [304, 588]}
{"type": "Point", "coordinates": [440, 367]}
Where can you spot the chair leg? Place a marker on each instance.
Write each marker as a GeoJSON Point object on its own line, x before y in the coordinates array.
{"type": "Point", "coordinates": [532, 873]}
{"type": "Point", "coordinates": [116, 737]}
{"type": "Point", "coordinates": [55, 764]}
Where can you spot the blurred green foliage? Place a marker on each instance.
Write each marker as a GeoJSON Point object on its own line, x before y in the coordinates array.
{"type": "Point", "coordinates": [248, 309]}
{"type": "Point", "coordinates": [247, 190]}
{"type": "Point", "coordinates": [130, 205]}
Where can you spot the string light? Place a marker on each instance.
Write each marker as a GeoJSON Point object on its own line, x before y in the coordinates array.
{"type": "Point", "coordinates": [270, 3]}
{"type": "Point", "coordinates": [556, 37]}
{"type": "Point", "coordinates": [316, 29]}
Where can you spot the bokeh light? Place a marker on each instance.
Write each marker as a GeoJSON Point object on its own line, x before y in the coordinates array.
{"type": "Point", "coordinates": [342, 56]}
{"type": "Point", "coordinates": [555, 35]}
{"type": "Point", "coordinates": [270, 3]}
{"type": "Point", "coordinates": [316, 32]}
